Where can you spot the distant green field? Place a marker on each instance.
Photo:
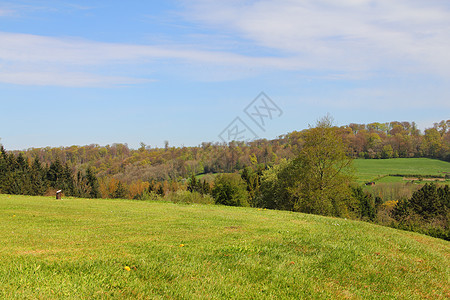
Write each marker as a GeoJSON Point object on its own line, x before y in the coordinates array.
{"type": "Point", "coordinates": [87, 249]}
{"type": "Point", "coordinates": [370, 169]}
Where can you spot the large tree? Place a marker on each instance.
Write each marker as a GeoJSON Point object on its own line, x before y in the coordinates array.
{"type": "Point", "coordinates": [318, 179]}
{"type": "Point", "coordinates": [324, 172]}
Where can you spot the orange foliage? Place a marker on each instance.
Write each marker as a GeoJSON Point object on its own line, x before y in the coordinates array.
{"type": "Point", "coordinates": [137, 188]}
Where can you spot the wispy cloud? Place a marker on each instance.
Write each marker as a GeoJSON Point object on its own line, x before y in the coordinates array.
{"type": "Point", "coordinates": [5, 12]}
{"type": "Point", "coordinates": [26, 56]}
{"type": "Point", "coordinates": [345, 39]}
{"type": "Point", "coordinates": [66, 79]}
{"type": "Point", "coordinates": [346, 35]}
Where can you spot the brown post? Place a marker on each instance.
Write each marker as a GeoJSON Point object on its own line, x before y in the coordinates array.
{"type": "Point", "coordinates": [58, 195]}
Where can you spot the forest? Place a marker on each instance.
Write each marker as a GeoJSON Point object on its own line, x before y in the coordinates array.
{"type": "Point", "coordinates": [278, 174]}
{"type": "Point", "coordinates": [118, 161]}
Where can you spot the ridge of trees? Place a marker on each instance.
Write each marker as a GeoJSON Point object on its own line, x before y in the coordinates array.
{"type": "Point", "coordinates": [168, 166]}
{"type": "Point", "coordinates": [308, 171]}
{"type": "Point", "coordinates": [374, 140]}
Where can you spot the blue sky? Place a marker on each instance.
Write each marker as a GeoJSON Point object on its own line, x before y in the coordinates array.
{"type": "Point", "coordinates": [82, 72]}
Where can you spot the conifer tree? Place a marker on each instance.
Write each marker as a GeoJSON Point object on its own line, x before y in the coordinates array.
{"type": "Point", "coordinates": [120, 192]}
{"type": "Point", "coordinates": [38, 179]}
{"type": "Point", "coordinates": [193, 185]}
{"type": "Point", "coordinates": [93, 184]}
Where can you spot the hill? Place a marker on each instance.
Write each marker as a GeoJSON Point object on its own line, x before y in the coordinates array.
{"type": "Point", "coordinates": [80, 248]}
{"type": "Point", "coordinates": [372, 169]}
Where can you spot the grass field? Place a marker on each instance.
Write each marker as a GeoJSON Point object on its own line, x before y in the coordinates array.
{"type": "Point", "coordinates": [371, 169]}
{"type": "Point", "coordinates": [79, 248]}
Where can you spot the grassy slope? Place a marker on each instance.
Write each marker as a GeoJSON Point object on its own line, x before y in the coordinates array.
{"type": "Point", "coordinates": [78, 248]}
{"type": "Point", "coordinates": [369, 169]}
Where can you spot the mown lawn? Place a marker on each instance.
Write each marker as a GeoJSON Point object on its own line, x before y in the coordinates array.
{"type": "Point", "coordinates": [80, 248]}
{"type": "Point", "coordinates": [370, 169]}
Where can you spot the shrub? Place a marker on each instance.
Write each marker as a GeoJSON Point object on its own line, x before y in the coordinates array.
{"type": "Point", "coordinates": [230, 189]}
{"type": "Point", "coordinates": [148, 196]}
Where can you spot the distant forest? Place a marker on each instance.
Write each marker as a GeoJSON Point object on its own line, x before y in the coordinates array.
{"type": "Point", "coordinates": [117, 170]}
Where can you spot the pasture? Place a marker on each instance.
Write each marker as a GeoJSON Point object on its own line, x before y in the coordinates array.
{"type": "Point", "coordinates": [85, 248]}
{"type": "Point", "coordinates": [376, 169]}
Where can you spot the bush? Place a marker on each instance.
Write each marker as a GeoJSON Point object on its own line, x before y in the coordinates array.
{"type": "Point", "coordinates": [230, 189]}
{"type": "Point", "coordinates": [148, 196]}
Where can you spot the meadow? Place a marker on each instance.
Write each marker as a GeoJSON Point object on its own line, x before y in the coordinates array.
{"type": "Point", "coordinates": [379, 169]}
{"type": "Point", "coordinates": [101, 248]}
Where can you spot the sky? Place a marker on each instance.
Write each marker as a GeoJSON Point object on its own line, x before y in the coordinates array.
{"type": "Point", "coordinates": [187, 72]}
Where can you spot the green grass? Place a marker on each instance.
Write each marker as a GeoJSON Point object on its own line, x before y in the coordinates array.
{"type": "Point", "coordinates": [393, 179]}
{"type": "Point", "coordinates": [78, 248]}
{"type": "Point", "coordinates": [371, 169]}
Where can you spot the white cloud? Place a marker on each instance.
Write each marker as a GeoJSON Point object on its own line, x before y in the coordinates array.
{"type": "Point", "coordinates": [35, 60]}
{"type": "Point", "coordinates": [345, 39]}
{"type": "Point", "coordinates": [348, 35]}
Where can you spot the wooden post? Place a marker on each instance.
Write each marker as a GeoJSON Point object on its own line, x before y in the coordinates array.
{"type": "Point", "coordinates": [58, 195]}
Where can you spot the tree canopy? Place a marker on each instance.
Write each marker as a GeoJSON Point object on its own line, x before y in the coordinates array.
{"type": "Point", "coordinates": [317, 180]}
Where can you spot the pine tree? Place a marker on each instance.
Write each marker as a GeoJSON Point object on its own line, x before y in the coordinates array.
{"type": "Point", "coordinates": [93, 184]}
{"type": "Point", "coordinates": [3, 168]}
{"type": "Point", "coordinates": [120, 192]}
{"type": "Point", "coordinates": [55, 172]}
{"type": "Point", "coordinates": [193, 185]}
{"type": "Point", "coordinates": [365, 204]}
{"type": "Point", "coordinates": [39, 183]}
{"type": "Point", "coordinates": [425, 202]}
{"type": "Point", "coordinates": [206, 188]}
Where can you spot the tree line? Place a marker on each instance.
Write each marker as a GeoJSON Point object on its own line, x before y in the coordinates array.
{"type": "Point", "coordinates": [370, 141]}
{"type": "Point", "coordinates": [21, 176]}
{"type": "Point", "coordinates": [308, 171]}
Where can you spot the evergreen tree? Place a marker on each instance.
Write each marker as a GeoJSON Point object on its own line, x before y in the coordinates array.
{"type": "Point", "coordinates": [120, 192]}
{"type": "Point", "coordinates": [93, 184]}
{"type": "Point", "coordinates": [55, 172]}
{"type": "Point", "coordinates": [68, 181]}
{"type": "Point", "coordinates": [3, 168]}
{"type": "Point", "coordinates": [206, 188]}
{"type": "Point", "coordinates": [11, 162]}
{"type": "Point", "coordinates": [427, 202]}
{"type": "Point", "coordinates": [365, 204]}
{"type": "Point", "coordinates": [193, 184]}
{"type": "Point", "coordinates": [22, 163]}
{"type": "Point", "coordinates": [39, 183]}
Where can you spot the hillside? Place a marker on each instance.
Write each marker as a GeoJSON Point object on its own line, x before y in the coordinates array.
{"type": "Point", "coordinates": [374, 140]}
{"type": "Point", "coordinates": [79, 248]}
